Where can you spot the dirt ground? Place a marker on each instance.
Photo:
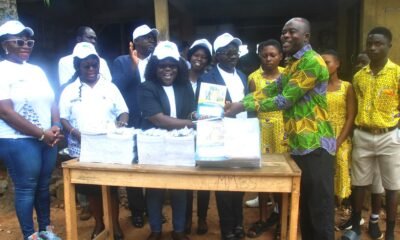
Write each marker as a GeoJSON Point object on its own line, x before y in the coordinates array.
{"type": "Point", "coordinates": [9, 228]}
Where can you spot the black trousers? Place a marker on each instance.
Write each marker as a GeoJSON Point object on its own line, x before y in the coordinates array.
{"type": "Point", "coordinates": [317, 214]}
{"type": "Point", "coordinates": [230, 210]}
{"type": "Point", "coordinates": [203, 199]}
{"type": "Point", "coordinates": [136, 200]}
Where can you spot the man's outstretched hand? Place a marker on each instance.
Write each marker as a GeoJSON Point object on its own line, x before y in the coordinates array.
{"type": "Point", "coordinates": [231, 109]}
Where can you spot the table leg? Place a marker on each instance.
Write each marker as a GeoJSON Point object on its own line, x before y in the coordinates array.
{"type": "Point", "coordinates": [284, 214]}
{"type": "Point", "coordinates": [108, 223]}
{"type": "Point", "coordinates": [70, 206]}
{"type": "Point", "coordinates": [294, 208]}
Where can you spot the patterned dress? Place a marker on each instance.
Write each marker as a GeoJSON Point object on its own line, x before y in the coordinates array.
{"type": "Point", "coordinates": [272, 127]}
{"type": "Point", "coordinates": [337, 117]}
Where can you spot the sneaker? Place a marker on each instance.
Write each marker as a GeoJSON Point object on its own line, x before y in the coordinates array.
{"type": "Point", "coordinates": [348, 225]}
{"type": "Point", "coordinates": [35, 236]}
{"type": "Point", "coordinates": [374, 231]}
{"type": "Point", "coordinates": [48, 234]}
{"type": "Point", "coordinates": [253, 203]}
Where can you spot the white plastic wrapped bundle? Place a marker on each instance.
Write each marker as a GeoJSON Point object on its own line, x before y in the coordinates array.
{"type": "Point", "coordinates": [116, 146]}
{"type": "Point", "coordinates": [159, 147]}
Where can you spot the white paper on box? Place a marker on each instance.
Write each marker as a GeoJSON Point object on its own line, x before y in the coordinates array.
{"type": "Point", "coordinates": [108, 148]}
{"type": "Point", "coordinates": [230, 142]}
{"type": "Point", "coordinates": [179, 150]}
{"type": "Point", "coordinates": [242, 138]}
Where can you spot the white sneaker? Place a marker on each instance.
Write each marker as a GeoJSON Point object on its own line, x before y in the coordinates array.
{"type": "Point", "coordinates": [253, 203]}
{"type": "Point", "coordinates": [48, 234]}
{"type": "Point", "coordinates": [35, 236]}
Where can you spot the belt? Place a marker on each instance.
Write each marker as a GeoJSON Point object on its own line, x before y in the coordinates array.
{"type": "Point", "coordinates": [376, 131]}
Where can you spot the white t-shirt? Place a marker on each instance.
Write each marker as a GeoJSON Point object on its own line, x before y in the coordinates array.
{"type": "Point", "coordinates": [194, 86]}
{"type": "Point", "coordinates": [90, 109]}
{"type": "Point", "coordinates": [169, 90]}
{"type": "Point", "coordinates": [235, 87]}
{"type": "Point", "coordinates": [233, 83]}
{"type": "Point", "coordinates": [26, 85]}
{"type": "Point", "coordinates": [66, 69]}
{"type": "Point", "coordinates": [142, 68]}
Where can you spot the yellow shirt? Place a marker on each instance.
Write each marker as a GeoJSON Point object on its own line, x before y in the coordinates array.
{"type": "Point", "coordinates": [377, 96]}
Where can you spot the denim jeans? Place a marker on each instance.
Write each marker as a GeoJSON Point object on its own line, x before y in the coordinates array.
{"type": "Point", "coordinates": [30, 164]}
{"type": "Point", "coordinates": [155, 200]}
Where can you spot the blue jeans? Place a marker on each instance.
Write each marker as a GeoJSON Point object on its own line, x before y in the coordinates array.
{"type": "Point", "coordinates": [155, 200]}
{"type": "Point", "coordinates": [30, 164]}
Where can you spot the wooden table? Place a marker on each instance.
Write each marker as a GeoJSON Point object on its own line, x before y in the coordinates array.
{"type": "Point", "coordinates": [279, 173]}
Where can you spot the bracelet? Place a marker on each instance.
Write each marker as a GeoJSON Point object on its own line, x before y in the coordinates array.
{"type": "Point", "coordinates": [70, 131]}
{"type": "Point", "coordinates": [58, 124]}
{"type": "Point", "coordinates": [41, 137]}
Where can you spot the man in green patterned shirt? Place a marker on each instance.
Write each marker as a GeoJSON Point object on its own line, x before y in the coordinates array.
{"type": "Point", "coordinates": [301, 93]}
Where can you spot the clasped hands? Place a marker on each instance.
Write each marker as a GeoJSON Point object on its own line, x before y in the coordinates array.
{"type": "Point", "coordinates": [52, 136]}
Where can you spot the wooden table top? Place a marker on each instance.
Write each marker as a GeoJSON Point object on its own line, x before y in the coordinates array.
{"type": "Point", "coordinates": [272, 165]}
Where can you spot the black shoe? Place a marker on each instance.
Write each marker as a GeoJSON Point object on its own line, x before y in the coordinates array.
{"type": "Point", "coordinates": [202, 227]}
{"type": "Point", "coordinates": [239, 232]}
{"type": "Point", "coordinates": [256, 229]}
{"type": "Point", "coordinates": [229, 236]}
{"type": "Point", "coordinates": [138, 221]}
{"type": "Point", "coordinates": [374, 231]}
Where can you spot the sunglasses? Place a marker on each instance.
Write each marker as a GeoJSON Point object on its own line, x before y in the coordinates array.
{"type": "Point", "coordinates": [21, 43]}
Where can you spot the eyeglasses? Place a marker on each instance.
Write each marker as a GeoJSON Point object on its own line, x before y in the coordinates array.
{"type": "Point", "coordinates": [21, 43]}
{"type": "Point", "coordinates": [230, 53]}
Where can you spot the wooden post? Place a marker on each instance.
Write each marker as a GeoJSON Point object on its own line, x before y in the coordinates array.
{"type": "Point", "coordinates": [162, 18]}
{"type": "Point", "coordinates": [70, 207]}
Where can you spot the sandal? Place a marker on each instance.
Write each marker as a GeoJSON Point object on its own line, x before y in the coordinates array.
{"type": "Point", "coordinates": [256, 229]}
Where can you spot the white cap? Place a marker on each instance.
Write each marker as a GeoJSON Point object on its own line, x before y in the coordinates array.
{"type": "Point", "coordinates": [202, 42]}
{"type": "Point", "coordinates": [224, 39]}
{"type": "Point", "coordinates": [83, 50]}
{"type": "Point", "coordinates": [143, 30]}
{"type": "Point", "coordinates": [166, 49]}
{"type": "Point", "coordinates": [14, 27]}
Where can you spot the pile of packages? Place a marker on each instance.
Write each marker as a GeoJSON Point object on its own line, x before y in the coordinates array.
{"type": "Point", "coordinates": [227, 142]}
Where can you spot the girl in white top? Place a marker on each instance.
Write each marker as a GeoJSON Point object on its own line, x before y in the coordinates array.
{"type": "Point", "coordinates": [90, 104]}
{"type": "Point", "coordinates": [29, 129]}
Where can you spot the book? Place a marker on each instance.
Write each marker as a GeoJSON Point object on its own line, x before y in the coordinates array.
{"type": "Point", "coordinates": [211, 100]}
